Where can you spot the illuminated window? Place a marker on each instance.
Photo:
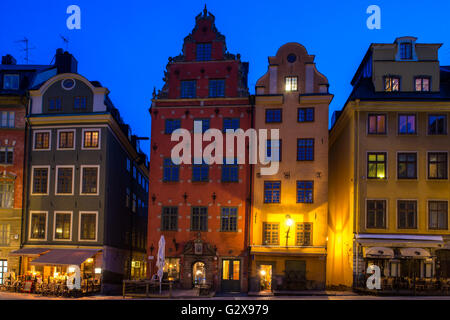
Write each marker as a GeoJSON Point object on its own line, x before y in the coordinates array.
{"type": "Point", "coordinates": [91, 139]}
{"type": "Point", "coordinates": [376, 124]}
{"type": "Point", "coordinates": [422, 84]}
{"type": "Point", "coordinates": [291, 84]}
{"type": "Point", "coordinates": [376, 165]}
{"type": "Point", "coordinates": [66, 140]}
{"type": "Point", "coordinates": [407, 165]}
{"type": "Point", "coordinates": [63, 225]}
{"type": "Point", "coordinates": [437, 165]}
{"type": "Point", "coordinates": [271, 233]}
{"type": "Point", "coordinates": [5, 229]}
{"type": "Point", "coordinates": [89, 182]}
{"type": "Point", "coordinates": [438, 215]}
{"type": "Point", "coordinates": [38, 225]}
{"type": "Point", "coordinates": [88, 226]}
{"type": "Point", "coordinates": [391, 84]}
{"type": "Point", "coordinates": [304, 234]}
{"type": "Point", "coordinates": [376, 214]}
{"type": "Point", "coordinates": [6, 194]}
{"type": "Point", "coordinates": [407, 214]}
{"type": "Point", "coordinates": [64, 180]}
{"type": "Point", "coordinates": [231, 269]}
{"type": "Point", "coordinates": [406, 123]}
{"type": "Point", "coordinates": [172, 268]}
{"type": "Point", "coordinates": [40, 181]}
{"type": "Point", "coordinates": [42, 140]}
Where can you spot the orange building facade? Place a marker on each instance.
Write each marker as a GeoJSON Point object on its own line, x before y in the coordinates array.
{"type": "Point", "coordinates": [201, 209]}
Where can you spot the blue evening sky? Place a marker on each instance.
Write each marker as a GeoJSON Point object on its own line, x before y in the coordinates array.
{"type": "Point", "coordinates": [125, 44]}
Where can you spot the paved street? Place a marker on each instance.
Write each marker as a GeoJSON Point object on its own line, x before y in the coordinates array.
{"type": "Point", "coordinates": [349, 296]}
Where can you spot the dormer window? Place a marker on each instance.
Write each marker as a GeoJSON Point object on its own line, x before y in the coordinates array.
{"type": "Point", "coordinates": [391, 83]}
{"type": "Point", "coordinates": [422, 84]}
{"type": "Point", "coordinates": [203, 51]}
{"type": "Point", "coordinates": [54, 104]}
{"type": "Point", "coordinates": [406, 51]}
{"type": "Point", "coordinates": [11, 81]}
{"type": "Point", "coordinates": [291, 84]}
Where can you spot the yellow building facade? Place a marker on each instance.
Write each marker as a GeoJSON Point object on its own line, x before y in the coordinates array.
{"type": "Point", "coordinates": [288, 228]}
{"type": "Point", "coordinates": [388, 182]}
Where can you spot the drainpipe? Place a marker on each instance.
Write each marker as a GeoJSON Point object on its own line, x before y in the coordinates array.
{"type": "Point", "coordinates": [356, 188]}
{"type": "Point", "coordinates": [250, 204]}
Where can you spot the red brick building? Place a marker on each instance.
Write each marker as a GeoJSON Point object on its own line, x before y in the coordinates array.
{"type": "Point", "coordinates": [201, 209]}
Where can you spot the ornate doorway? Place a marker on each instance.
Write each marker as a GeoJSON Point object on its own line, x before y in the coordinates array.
{"type": "Point", "coordinates": [199, 273]}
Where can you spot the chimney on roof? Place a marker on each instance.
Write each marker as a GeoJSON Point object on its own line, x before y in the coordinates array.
{"type": "Point", "coordinates": [9, 59]}
{"type": "Point", "coordinates": [65, 62]}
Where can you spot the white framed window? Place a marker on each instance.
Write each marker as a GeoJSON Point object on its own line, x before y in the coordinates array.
{"type": "Point", "coordinates": [89, 180]}
{"type": "Point", "coordinates": [62, 225]}
{"type": "Point", "coordinates": [65, 139]}
{"type": "Point", "coordinates": [64, 180]}
{"type": "Point", "coordinates": [6, 155]}
{"type": "Point", "coordinates": [90, 139]}
{"type": "Point", "coordinates": [7, 194]}
{"type": "Point", "coordinates": [38, 225]}
{"type": "Point", "coordinates": [40, 180]}
{"type": "Point", "coordinates": [291, 83]}
{"type": "Point", "coordinates": [11, 81]}
{"type": "Point", "coordinates": [88, 226]}
{"type": "Point", "coordinates": [42, 140]}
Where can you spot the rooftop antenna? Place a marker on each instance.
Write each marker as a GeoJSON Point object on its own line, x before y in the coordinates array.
{"type": "Point", "coordinates": [66, 41]}
{"type": "Point", "coordinates": [26, 49]}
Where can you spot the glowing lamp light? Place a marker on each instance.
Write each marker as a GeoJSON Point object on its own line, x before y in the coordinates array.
{"type": "Point", "coordinates": [198, 272]}
{"type": "Point", "coordinates": [71, 269]}
{"type": "Point", "coordinates": [289, 221]}
{"type": "Point", "coordinates": [98, 270]}
{"type": "Point", "coordinates": [263, 272]}
{"type": "Point", "coordinates": [90, 260]}
{"type": "Point", "coordinates": [55, 274]}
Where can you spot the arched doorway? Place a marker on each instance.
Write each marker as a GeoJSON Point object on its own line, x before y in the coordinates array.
{"type": "Point", "coordinates": [199, 273]}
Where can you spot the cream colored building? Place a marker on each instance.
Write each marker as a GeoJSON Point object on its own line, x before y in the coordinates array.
{"type": "Point", "coordinates": [288, 228]}
{"type": "Point", "coordinates": [388, 182]}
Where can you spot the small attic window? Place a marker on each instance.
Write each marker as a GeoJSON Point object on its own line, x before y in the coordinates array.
{"type": "Point", "coordinates": [406, 50]}
{"type": "Point", "coordinates": [203, 51]}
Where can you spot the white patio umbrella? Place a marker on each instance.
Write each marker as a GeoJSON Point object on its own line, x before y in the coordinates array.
{"type": "Point", "coordinates": [160, 262]}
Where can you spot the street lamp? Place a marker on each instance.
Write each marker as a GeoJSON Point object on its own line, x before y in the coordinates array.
{"type": "Point", "coordinates": [289, 223]}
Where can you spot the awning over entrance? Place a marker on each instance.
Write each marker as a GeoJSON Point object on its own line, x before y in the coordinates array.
{"type": "Point", "coordinates": [414, 253]}
{"type": "Point", "coordinates": [378, 252]}
{"type": "Point", "coordinates": [65, 257]}
{"type": "Point", "coordinates": [29, 252]}
{"type": "Point", "coordinates": [399, 240]}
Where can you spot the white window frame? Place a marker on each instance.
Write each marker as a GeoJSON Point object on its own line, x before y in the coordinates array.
{"type": "Point", "coordinates": [98, 179]}
{"type": "Point", "coordinates": [54, 225]}
{"type": "Point", "coordinates": [32, 180]}
{"type": "Point", "coordinates": [56, 180]}
{"type": "Point", "coordinates": [406, 230]}
{"type": "Point", "coordinates": [387, 213]}
{"type": "Point", "coordinates": [428, 214]}
{"type": "Point", "coordinates": [57, 138]}
{"type": "Point", "coordinates": [99, 130]}
{"type": "Point", "coordinates": [8, 117]}
{"type": "Point", "coordinates": [96, 225]}
{"type": "Point", "coordinates": [386, 169]}
{"type": "Point", "coordinates": [46, 226]}
{"type": "Point", "coordinates": [417, 167]}
{"type": "Point", "coordinates": [49, 140]}
{"type": "Point", "coordinates": [6, 150]}
{"type": "Point", "coordinates": [428, 167]}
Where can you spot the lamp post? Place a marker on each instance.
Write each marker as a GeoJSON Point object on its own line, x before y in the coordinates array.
{"type": "Point", "coordinates": [289, 223]}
